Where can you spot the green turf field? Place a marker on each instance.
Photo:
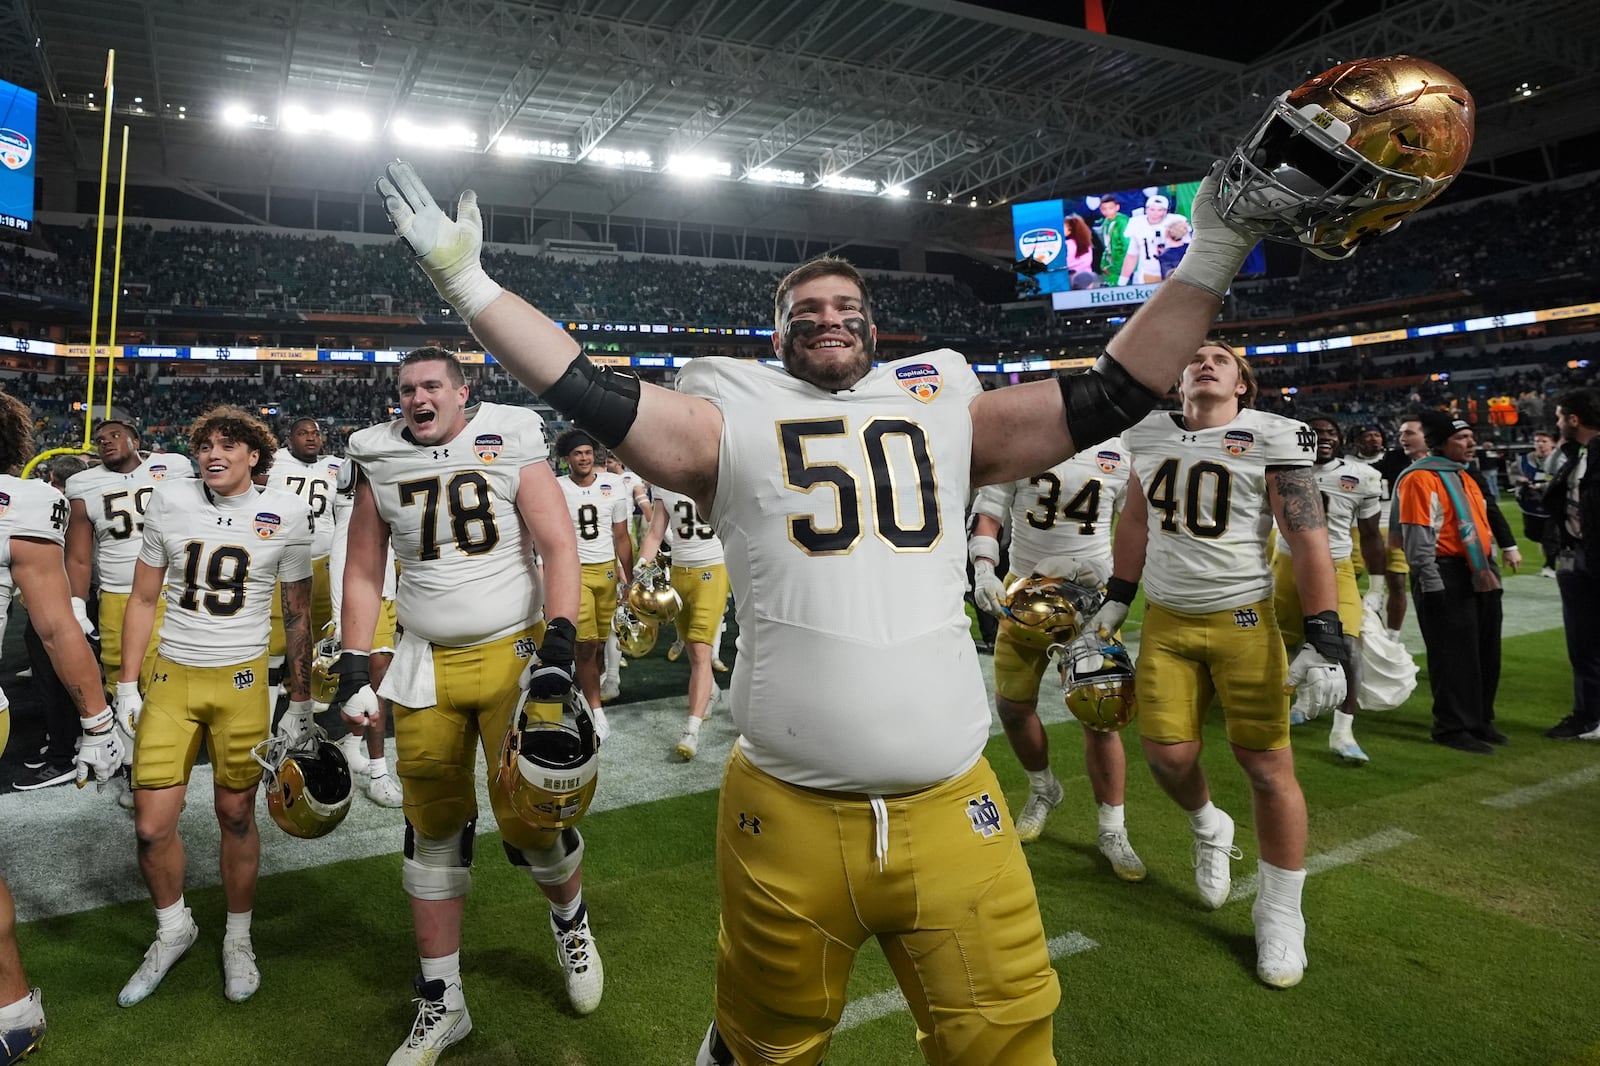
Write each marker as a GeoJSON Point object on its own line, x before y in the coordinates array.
{"type": "Point", "coordinates": [1442, 929]}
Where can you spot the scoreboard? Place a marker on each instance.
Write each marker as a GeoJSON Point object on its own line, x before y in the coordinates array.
{"type": "Point", "coordinates": [19, 112]}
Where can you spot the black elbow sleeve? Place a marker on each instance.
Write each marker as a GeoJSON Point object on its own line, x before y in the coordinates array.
{"type": "Point", "coordinates": [1103, 402]}
{"type": "Point", "coordinates": [602, 400]}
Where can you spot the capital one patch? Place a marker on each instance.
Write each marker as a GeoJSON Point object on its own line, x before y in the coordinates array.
{"type": "Point", "coordinates": [921, 380]}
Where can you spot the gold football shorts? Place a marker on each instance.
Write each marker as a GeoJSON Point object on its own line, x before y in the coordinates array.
{"type": "Point", "coordinates": [1286, 598]}
{"type": "Point", "coordinates": [1236, 655]}
{"type": "Point", "coordinates": [477, 692]}
{"type": "Point", "coordinates": [321, 607]}
{"type": "Point", "coordinates": [597, 601]}
{"type": "Point", "coordinates": [704, 591]}
{"type": "Point", "coordinates": [113, 607]}
{"type": "Point", "coordinates": [938, 876]}
{"type": "Point", "coordinates": [228, 704]}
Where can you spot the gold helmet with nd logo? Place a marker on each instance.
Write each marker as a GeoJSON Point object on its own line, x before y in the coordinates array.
{"type": "Point", "coordinates": [308, 788]}
{"type": "Point", "coordinates": [1349, 154]}
{"type": "Point", "coordinates": [324, 680]}
{"type": "Point", "coordinates": [547, 770]}
{"type": "Point", "coordinates": [1099, 689]}
{"type": "Point", "coordinates": [635, 636]}
{"type": "Point", "coordinates": [1040, 610]}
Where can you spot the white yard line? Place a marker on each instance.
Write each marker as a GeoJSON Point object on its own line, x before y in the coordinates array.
{"type": "Point", "coordinates": [1343, 855]}
{"type": "Point", "coordinates": [1523, 796]}
{"type": "Point", "coordinates": [883, 1004]}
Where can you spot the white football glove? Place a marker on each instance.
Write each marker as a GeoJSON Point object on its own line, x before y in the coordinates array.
{"type": "Point", "coordinates": [1376, 599]}
{"type": "Point", "coordinates": [127, 706]}
{"type": "Point", "coordinates": [988, 591]}
{"type": "Point", "coordinates": [80, 614]}
{"type": "Point", "coordinates": [1086, 646]}
{"type": "Point", "coordinates": [447, 251]}
{"type": "Point", "coordinates": [1090, 573]}
{"type": "Point", "coordinates": [1318, 685]}
{"type": "Point", "coordinates": [298, 726]}
{"type": "Point", "coordinates": [360, 709]}
{"type": "Point", "coordinates": [100, 751]}
{"type": "Point", "coordinates": [1217, 250]}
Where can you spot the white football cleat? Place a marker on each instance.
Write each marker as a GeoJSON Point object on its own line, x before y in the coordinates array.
{"type": "Point", "coordinates": [1125, 862]}
{"type": "Point", "coordinates": [580, 958]}
{"type": "Point", "coordinates": [688, 745]}
{"type": "Point", "coordinates": [1347, 749]}
{"type": "Point", "coordinates": [675, 652]}
{"type": "Point", "coordinates": [22, 1039]}
{"type": "Point", "coordinates": [1280, 947]}
{"type": "Point", "coordinates": [1212, 875]}
{"type": "Point", "coordinates": [1030, 823]}
{"type": "Point", "coordinates": [384, 790]}
{"type": "Point", "coordinates": [610, 688]}
{"type": "Point", "coordinates": [355, 753]}
{"type": "Point", "coordinates": [240, 977]}
{"type": "Point", "coordinates": [158, 960]}
{"type": "Point", "coordinates": [442, 1020]}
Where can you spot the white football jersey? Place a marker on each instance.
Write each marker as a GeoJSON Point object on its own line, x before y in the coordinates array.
{"type": "Point", "coordinates": [594, 507]}
{"type": "Point", "coordinates": [842, 518]}
{"type": "Point", "coordinates": [115, 504]}
{"type": "Point", "coordinates": [693, 541]}
{"type": "Point", "coordinates": [1209, 513]}
{"type": "Point", "coordinates": [27, 509]}
{"type": "Point", "coordinates": [1350, 491]}
{"type": "Point", "coordinates": [466, 576]}
{"type": "Point", "coordinates": [223, 556]}
{"type": "Point", "coordinates": [314, 483]}
{"type": "Point", "coordinates": [1066, 510]}
{"type": "Point", "coordinates": [1148, 242]}
{"type": "Point", "coordinates": [343, 505]}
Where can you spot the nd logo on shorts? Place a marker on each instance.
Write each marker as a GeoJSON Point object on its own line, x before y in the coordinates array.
{"type": "Point", "coordinates": [1238, 441]}
{"type": "Point", "coordinates": [524, 648]}
{"type": "Point", "coordinates": [158, 471]}
{"type": "Point", "coordinates": [1246, 618]}
{"type": "Point", "coordinates": [1107, 461]}
{"type": "Point", "coordinates": [488, 446]}
{"type": "Point", "coordinates": [921, 380]}
{"type": "Point", "coordinates": [244, 679]}
{"type": "Point", "coordinates": [984, 814]}
{"type": "Point", "coordinates": [267, 524]}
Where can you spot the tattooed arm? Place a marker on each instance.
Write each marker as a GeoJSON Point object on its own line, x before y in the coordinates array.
{"type": "Point", "coordinates": [297, 637]}
{"type": "Point", "coordinates": [41, 575]}
{"type": "Point", "coordinates": [1297, 507]}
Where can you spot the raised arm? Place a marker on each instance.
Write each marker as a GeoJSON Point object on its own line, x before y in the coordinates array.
{"type": "Point", "coordinates": [1022, 429]}
{"type": "Point", "coordinates": [670, 439]}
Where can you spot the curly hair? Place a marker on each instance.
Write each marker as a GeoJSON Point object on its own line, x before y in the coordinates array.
{"type": "Point", "coordinates": [16, 434]}
{"type": "Point", "coordinates": [238, 425]}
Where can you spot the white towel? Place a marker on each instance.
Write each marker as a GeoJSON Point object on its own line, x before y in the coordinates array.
{"type": "Point", "coordinates": [409, 681]}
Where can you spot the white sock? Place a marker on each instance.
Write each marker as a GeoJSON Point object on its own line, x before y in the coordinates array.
{"type": "Point", "coordinates": [1111, 817]}
{"type": "Point", "coordinates": [569, 910]}
{"type": "Point", "coordinates": [613, 657]}
{"type": "Point", "coordinates": [1205, 821]}
{"type": "Point", "coordinates": [1342, 724]}
{"type": "Point", "coordinates": [16, 1015]}
{"type": "Point", "coordinates": [1040, 781]}
{"type": "Point", "coordinates": [238, 927]}
{"type": "Point", "coordinates": [1280, 894]}
{"type": "Point", "coordinates": [378, 767]}
{"type": "Point", "coordinates": [446, 968]}
{"type": "Point", "coordinates": [171, 919]}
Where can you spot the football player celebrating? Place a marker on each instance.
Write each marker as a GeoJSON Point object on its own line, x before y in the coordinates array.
{"type": "Point", "coordinates": [302, 469]}
{"type": "Point", "coordinates": [1352, 495]}
{"type": "Point", "coordinates": [457, 490]}
{"type": "Point", "coordinates": [33, 524]}
{"type": "Point", "coordinates": [108, 505]}
{"type": "Point", "coordinates": [1060, 526]}
{"type": "Point", "coordinates": [220, 547]}
{"type": "Point", "coordinates": [839, 492]}
{"type": "Point", "coordinates": [701, 581]}
{"type": "Point", "coordinates": [1206, 486]}
{"type": "Point", "coordinates": [600, 510]}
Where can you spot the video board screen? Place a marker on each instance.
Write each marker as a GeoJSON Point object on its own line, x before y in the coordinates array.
{"type": "Point", "coordinates": [19, 112]}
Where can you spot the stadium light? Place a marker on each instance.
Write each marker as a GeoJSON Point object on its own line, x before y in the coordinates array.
{"type": "Point", "coordinates": [419, 135]}
{"type": "Point", "coordinates": [236, 115]}
{"type": "Point", "coordinates": [899, 191]}
{"type": "Point", "coordinates": [776, 176]}
{"type": "Point", "coordinates": [351, 125]}
{"type": "Point", "coordinates": [523, 146]}
{"type": "Point", "coordinates": [699, 166]}
{"type": "Point", "coordinates": [845, 183]}
{"type": "Point", "coordinates": [617, 157]}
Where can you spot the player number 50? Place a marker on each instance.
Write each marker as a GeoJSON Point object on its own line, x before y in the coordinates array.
{"type": "Point", "coordinates": [877, 438]}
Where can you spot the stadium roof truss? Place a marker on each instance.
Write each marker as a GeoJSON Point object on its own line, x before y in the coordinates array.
{"type": "Point", "coordinates": [831, 117]}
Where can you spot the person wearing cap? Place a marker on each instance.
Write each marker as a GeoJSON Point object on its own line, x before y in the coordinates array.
{"type": "Point", "coordinates": [106, 528]}
{"type": "Point", "coordinates": [1367, 444]}
{"type": "Point", "coordinates": [1440, 512]}
{"type": "Point", "coordinates": [1147, 239]}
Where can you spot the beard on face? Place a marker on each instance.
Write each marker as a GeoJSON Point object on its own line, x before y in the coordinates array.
{"type": "Point", "coordinates": [832, 377]}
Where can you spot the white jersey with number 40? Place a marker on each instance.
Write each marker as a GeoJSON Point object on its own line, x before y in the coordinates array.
{"type": "Point", "coordinates": [465, 574]}
{"type": "Point", "coordinates": [842, 517]}
{"type": "Point", "coordinates": [1064, 511]}
{"type": "Point", "coordinates": [1209, 516]}
{"type": "Point", "coordinates": [223, 557]}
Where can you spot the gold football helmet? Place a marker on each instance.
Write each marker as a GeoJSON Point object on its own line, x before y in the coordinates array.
{"type": "Point", "coordinates": [308, 791]}
{"type": "Point", "coordinates": [324, 682]}
{"type": "Point", "coordinates": [653, 599]}
{"type": "Point", "coordinates": [635, 636]}
{"type": "Point", "coordinates": [548, 770]}
{"type": "Point", "coordinates": [1101, 697]}
{"type": "Point", "coordinates": [1040, 611]}
{"type": "Point", "coordinates": [1349, 154]}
